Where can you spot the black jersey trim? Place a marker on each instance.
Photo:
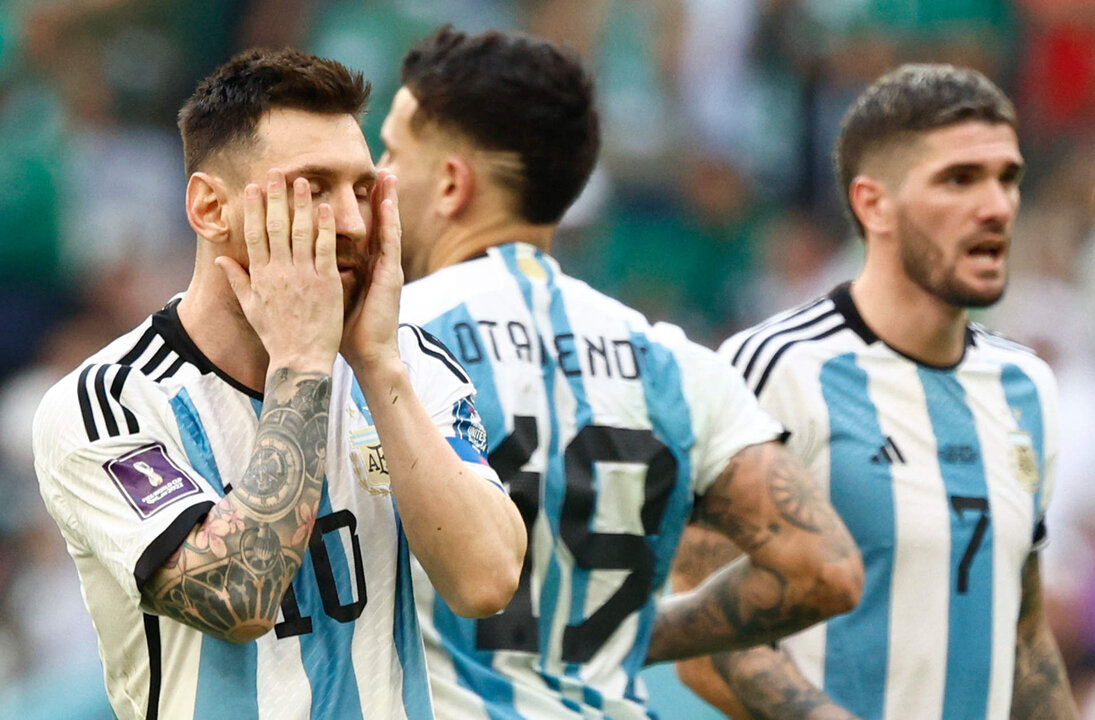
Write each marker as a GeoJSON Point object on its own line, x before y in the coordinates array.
{"type": "Point", "coordinates": [773, 322]}
{"type": "Point", "coordinates": [438, 350]}
{"type": "Point", "coordinates": [806, 324]}
{"type": "Point", "coordinates": [85, 405]}
{"type": "Point", "coordinates": [167, 542]}
{"type": "Point", "coordinates": [787, 346]}
{"type": "Point", "coordinates": [171, 370]}
{"type": "Point", "coordinates": [104, 404]}
{"type": "Point", "coordinates": [116, 393]}
{"type": "Point", "coordinates": [167, 324]}
{"type": "Point", "coordinates": [155, 665]}
{"type": "Point", "coordinates": [842, 298]}
{"type": "Point", "coordinates": [137, 350]}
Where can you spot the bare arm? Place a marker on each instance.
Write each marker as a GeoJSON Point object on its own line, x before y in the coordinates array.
{"type": "Point", "coordinates": [756, 684]}
{"type": "Point", "coordinates": [467, 534]}
{"type": "Point", "coordinates": [228, 577]}
{"type": "Point", "coordinates": [1041, 690]}
{"type": "Point", "coordinates": [802, 565]}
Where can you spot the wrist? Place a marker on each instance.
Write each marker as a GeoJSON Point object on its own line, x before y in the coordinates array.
{"type": "Point", "coordinates": [322, 363]}
{"type": "Point", "coordinates": [379, 374]}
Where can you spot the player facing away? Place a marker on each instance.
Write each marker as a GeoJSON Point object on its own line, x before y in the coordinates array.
{"type": "Point", "coordinates": [226, 481]}
{"type": "Point", "coordinates": [609, 432]}
{"type": "Point", "coordinates": [937, 438]}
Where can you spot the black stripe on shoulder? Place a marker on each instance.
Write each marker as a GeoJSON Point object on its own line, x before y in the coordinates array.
{"type": "Point", "coordinates": [85, 404]}
{"type": "Point", "coordinates": [155, 665]}
{"type": "Point", "coordinates": [116, 393]}
{"type": "Point", "coordinates": [104, 404]}
{"type": "Point", "coordinates": [776, 320]}
{"type": "Point", "coordinates": [140, 347]}
{"type": "Point", "coordinates": [782, 331]}
{"type": "Point", "coordinates": [433, 347]}
{"type": "Point", "coordinates": [980, 332]}
{"type": "Point", "coordinates": [155, 361]}
{"type": "Point", "coordinates": [171, 369]}
{"type": "Point", "coordinates": [787, 346]}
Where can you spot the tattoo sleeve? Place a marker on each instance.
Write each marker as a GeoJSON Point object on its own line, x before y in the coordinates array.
{"type": "Point", "coordinates": [770, 685]}
{"type": "Point", "coordinates": [801, 566]}
{"type": "Point", "coordinates": [1041, 689]}
{"type": "Point", "coordinates": [228, 577]}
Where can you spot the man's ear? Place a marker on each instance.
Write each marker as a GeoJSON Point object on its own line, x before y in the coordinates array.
{"type": "Point", "coordinates": [457, 186]}
{"type": "Point", "coordinates": [206, 207]}
{"type": "Point", "coordinates": [872, 204]}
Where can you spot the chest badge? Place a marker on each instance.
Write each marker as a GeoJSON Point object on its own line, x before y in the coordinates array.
{"type": "Point", "coordinates": [1024, 463]}
{"type": "Point", "coordinates": [367, 459]}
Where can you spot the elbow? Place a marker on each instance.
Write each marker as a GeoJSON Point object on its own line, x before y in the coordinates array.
{"type": "Point", "coordinates": [842, 585]}
{"type": "Point", "coordinates": [485, 596]}
{"type": "Point", "coordinates": [248, 631]}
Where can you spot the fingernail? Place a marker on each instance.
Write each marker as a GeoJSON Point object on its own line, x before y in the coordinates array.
{"type": "Point", "coordinates": [251, 191]}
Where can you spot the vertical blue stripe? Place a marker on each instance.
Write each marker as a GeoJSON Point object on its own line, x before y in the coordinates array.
{"type": "Point", "coordinates": [553, 487]}
{"type": "Point", "coordinates": [857, 643]}
{"type": "Point", "coordinates": [408, 637]}
{"type": "Point", "coordinates": [227, 672]}
{"type": "Point", "coordinates": [1022, 397]}
{"type": "Point", "coordinates": [326, 652]}
{"type": "Point", "coordinates": [560, 325]}
{"type": "Point", "coordinates": [969, 631]}
{"type": "Point", "coordinates": [671, 421]}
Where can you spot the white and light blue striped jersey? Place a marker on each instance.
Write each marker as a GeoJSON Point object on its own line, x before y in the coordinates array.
{"type": "Point", "coordinates": [604, 429]}
{"type": "Point", "coordinates": [942, 475]}
{"type": "Point", "coordinates": [135, 446]}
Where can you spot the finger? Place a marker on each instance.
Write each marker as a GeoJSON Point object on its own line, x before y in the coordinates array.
{"type": "Point", "coordinates": [303, 231]}
{"type": "Point", "coordinates": [254, 225]}
{"type": "Point", "coordinates": [277, 215]}
{"type": "Point", "coordinates": [237, 277]}
{"type": "Point", "coordinates": [325, 240]}
{"type": "Point", "coordinates": [391, 230]}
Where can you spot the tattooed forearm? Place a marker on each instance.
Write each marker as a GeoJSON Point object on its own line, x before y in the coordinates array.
{"type": "Point", "coordinates": [770, 687]}
{"type": "Point", "coordinates": [1041, 690]}
{"type": "Point", "coordinates": [228, 577]}
{"type": "Point", "coordinates": [802, 564]}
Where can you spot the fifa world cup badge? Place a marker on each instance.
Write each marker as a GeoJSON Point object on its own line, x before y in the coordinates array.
{"type": "Point", "coordinates": [367, 459]}
{"type": "Point", "coordinates": [1024, 464]}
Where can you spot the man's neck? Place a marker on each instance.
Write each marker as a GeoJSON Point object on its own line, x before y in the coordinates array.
{"type": "Point", "coordinates": [212, 317]}
{"type": "Point", "coordinates": [462, 242]}
{"type": "Point", "coordinates": [909, 319]}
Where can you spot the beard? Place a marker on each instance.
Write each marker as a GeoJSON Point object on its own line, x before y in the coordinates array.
{"type": "Point", "coordinates": [924, 264]}
{"type": "Point", "coordinates": [355, 288]}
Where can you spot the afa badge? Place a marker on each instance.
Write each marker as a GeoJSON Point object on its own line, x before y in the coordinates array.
{"type": "Point", "coordinates": [1024, 463]}
{"type": "Point", "coordinates": [367, 459]}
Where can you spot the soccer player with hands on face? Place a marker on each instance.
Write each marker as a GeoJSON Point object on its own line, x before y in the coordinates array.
{"type": "Point", "coordinates": [226, 475]}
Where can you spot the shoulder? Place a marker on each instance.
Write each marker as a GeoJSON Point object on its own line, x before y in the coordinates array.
{"type": "Point", "coordinates": [817, 329]}
{"type": "Point", "coordinates": [1010, 355]}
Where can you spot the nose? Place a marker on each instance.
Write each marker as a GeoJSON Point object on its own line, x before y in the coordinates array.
{"type": "Point", "coordinates": [1001, 201]}
{"type": "Point", "coordinates": [352, 214]}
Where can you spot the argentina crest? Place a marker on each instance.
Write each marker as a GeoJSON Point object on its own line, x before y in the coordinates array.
{"type": "Point", "coordinates": [1024, 463]}
{"type": "Point", "coordinates": [367, 459]}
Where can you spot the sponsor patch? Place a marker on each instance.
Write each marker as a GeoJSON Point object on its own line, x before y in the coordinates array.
{"type": "Point", "coordinates": [149, 480]}
{"type": "Point", "coordinates": [1024, 464]}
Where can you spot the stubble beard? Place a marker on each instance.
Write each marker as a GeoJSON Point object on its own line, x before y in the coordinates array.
{"type": "Point", "coordinates": [924, 264]}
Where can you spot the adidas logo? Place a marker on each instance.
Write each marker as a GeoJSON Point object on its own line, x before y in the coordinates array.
{"type": "Point", "coordinates": [888, 453]}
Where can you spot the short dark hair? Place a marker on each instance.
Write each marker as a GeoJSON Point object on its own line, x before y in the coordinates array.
{"type": "Point", "coordinates": [228, 104]}
{"type": "Point", "coordinates": [913, 99]}
{"type": "Point", "coordinates": [514, 93]}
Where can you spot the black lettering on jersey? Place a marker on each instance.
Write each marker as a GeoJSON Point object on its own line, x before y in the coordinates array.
{"type": "Point", "coordinates": [468, 343]}
{"type": "Point", "coordinates": [626, 361]}
{"type": "Point", "coordinates": [568, 359]}
{"type": "Point", "coordinates": [522, 345]}
{"type": "Point", "coordinates": [595, 349]}
{"type": "Point", "coordinates": [490, 325]}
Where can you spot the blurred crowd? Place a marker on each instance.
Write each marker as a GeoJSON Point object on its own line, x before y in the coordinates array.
{"type": "Point", "coordinates": [713, 206]}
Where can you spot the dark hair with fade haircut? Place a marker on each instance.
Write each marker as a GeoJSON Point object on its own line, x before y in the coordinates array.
{"type": "Point", "coordinates": [514, 93]}
{"type": "Point", "coordinates": [228, 104]}
{"type": "Point", "coordinates": [915, 98]}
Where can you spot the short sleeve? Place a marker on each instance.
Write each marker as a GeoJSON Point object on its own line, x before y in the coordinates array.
{"type": "Point", "coordinates": [447, 393]}
{"type": "Point", "coordinates": [123, 492]}
{"type": "Point", "coordinates": [725, 415]}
